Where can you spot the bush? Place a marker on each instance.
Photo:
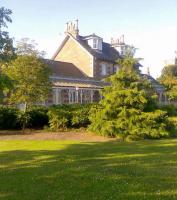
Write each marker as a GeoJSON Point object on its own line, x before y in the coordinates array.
{"type": "Point", "coordinates": [80, 116]}
{"type": "Point", "coordinates": [23, 119]}
{"type": "Point", "coordinates": [58, 119]}
{"type": "Point", "coordinates": [38, 117]}
{"type": "Point", "coordinates": [170, 109]}
{"type": "Point", "coordinates": [173, 126]}
{"type": "Point", "coordinates": [69, 116]}
{"type": "Point", "coordinates": [9, 118]}
{"type": "Point", "coordinates": [13, 118]}
{"type": "Point", "coordinates": [130, 123]}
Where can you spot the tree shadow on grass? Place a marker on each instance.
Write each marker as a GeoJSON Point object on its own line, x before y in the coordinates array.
{"type": "Point", "coordinates": [81, 171]}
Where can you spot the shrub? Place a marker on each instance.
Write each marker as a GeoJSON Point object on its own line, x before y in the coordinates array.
{"type": "Point", "coordinates": [130, 122]}
{"type": "Point", "coordinates": [23, 119]}
{"type": "Point", "coordinates": [58, 119]}
{"type": "Point", "coordinates": [9, 118]}
{"type": "Point", "coordinates": [80, 116]}
{"type": "Point", "coordinates": [69, 116]}
{"type": "Point", "coordinates": [13, 118]}
{"type": "Point", "coordinates": [38, 117]}
{"type": "Point", "coordinates": [172, 126]}
{"type": "Point", "coordinates": [170, 109]}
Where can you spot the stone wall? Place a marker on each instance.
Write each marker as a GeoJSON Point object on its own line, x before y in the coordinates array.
{"type": "Point", "coordinates": [74, 53]}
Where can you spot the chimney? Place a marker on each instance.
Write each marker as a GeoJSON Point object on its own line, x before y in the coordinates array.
{"type": "Point", "coordinates": [119, 44]}
{"type": "Point", "coordinates": [72, 28]}
{"type": "Point", "coordinates": [148, 71]}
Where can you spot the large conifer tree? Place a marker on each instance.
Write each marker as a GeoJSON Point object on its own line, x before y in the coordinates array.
{"type": "Point", "coordinates": [128, 109]}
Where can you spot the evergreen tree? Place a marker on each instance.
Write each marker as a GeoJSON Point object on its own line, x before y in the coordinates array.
{"type": "Point", "coordinates": [128, 109]}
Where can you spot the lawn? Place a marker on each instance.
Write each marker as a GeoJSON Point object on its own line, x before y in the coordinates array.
{"type": "Point", "coordinates": [59, 170]}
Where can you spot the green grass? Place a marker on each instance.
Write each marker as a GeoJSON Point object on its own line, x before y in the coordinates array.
{"type": "Point", "coordinates": [55, 170]}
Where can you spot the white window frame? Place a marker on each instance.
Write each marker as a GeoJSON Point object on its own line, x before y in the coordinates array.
{"type": "Point", "coordinates": [95, 43]}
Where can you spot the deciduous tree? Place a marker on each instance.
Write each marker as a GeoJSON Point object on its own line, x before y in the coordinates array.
{"type": "Point", "coordinates": [30, 77]}
{"type": "Point", "coordinates": [7, 51]}
{"type": "Point", "coordinates": [31, 85]}
{"type": "Point", "coordinates": [169, 79]}
{"type": "Point", "coordinates": [25, 46]}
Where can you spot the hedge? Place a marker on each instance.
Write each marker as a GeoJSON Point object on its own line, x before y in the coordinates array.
{"type": "Point", "coordinates": [9, 118]}
{"type": "Point", "coordinates": [57, 117]}
{"type": "Point", "coordinates": [69, 116]}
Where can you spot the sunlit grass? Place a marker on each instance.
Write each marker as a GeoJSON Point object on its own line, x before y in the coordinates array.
{"type": "Point", "coordinates": [59, 170]}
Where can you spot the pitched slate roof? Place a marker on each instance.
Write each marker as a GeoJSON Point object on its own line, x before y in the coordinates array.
{"type": "Point", "coordinates": [158, 87]}
{"type": "Point", "coordinates": [64, 69]}
{"type": "Point", "coordinates": [67, 74]}
{"type": "Point", "coordinates": [108, 53]}
{"type": "Point", "coordinates": [75, 82]}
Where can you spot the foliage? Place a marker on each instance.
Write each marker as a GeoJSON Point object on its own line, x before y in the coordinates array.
{"type": "Point", "coordinates": [6, 43]}
{"type": "Point", "coordinates": [128, 62]}
{"type": "Point", "coordinates": [28, 47]}
{"type": "Point", "coordinates": [23, 118]}
{"type": "Point", "coordinates": [5, 86]}
{"type": "Point", "coordinates": [172, 126]}
{"type": "Point", "coordinates": [127, 108]}
{"type": "Point", "coordinates": [30, 78]}
{"type": "Point", "coordinates": [13, 118]}
{"type": "Point", "coordinates": [170, 109]}
{"type": "Point", "coordinates": [62, 117]}
{"type": "Point", "coordinates": [6, 50]}
{"type": "Point", "coordinates": [38, 117]}
{"type": "Point", "coordinates": [9, 118]}
{"type": "Point", "coordinates": [80, 116]}
{"type": "Point", "coordinates": [169, 79]}
{"type": "Point", "coordinates": [58, 119]}
{"type": "Point", "coordinates": [69, 116]}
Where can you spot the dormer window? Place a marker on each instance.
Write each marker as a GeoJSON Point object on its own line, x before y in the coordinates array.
{"type": "Point", "coordinates": [94, 42]}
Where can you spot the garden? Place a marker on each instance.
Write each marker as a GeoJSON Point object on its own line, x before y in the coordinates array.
{"type": "Point", "coordinates": [123, 147]}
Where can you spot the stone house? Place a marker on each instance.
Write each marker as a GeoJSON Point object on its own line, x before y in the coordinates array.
{"type": "Point", "coordinates": [80, 64]}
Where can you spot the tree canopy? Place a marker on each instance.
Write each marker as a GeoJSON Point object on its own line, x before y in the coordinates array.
{"type": "Point", "coordinates": [30, 78]}
{"type": "Point", "coordinates": [25, 46]}
{"type": "Point", "coordinates": [7, 51]}
{"type": "Point", "coordinates": [169, 79]}
{"type": "Point", "coordinates": [128, 62]}
{"type": "Point", "coordinates": [128, 108]}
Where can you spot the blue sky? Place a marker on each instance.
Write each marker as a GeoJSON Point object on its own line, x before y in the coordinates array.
{"type": "Point", "coordinates": [150, 25]}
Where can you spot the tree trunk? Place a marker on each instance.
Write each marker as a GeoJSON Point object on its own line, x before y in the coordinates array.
{"type": "Point", "coordinates": [24, 120]}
